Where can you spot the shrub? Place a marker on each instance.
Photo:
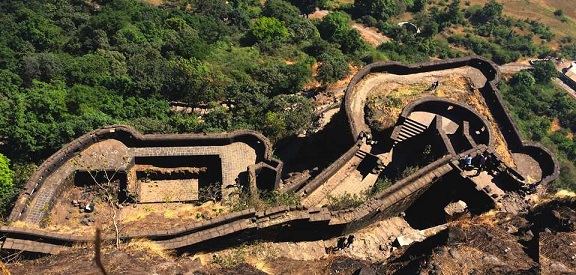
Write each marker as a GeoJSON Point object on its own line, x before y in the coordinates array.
{"type": "Point", "coordinates": [344, 201]}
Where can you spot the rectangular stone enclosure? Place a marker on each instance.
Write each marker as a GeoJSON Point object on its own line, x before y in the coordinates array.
{"type": "Point", "coordinates": [168, 191]}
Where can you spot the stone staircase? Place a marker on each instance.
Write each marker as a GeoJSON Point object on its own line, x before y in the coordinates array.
{"type": "Point", "coordinates": [409, 129]}
{"type": "Point", "coordinates": [361, 154]}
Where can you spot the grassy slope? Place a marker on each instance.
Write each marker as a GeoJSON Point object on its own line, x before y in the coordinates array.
{"type": "Point", "coordinates": [542, 10]}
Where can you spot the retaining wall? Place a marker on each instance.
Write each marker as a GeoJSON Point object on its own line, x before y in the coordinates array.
{"type": "Point", "coordinates": [296, 222]}
{"type": "Point", "coordinates": [497, 106]}
{"type": "Point", "coordinates": [132, 138]}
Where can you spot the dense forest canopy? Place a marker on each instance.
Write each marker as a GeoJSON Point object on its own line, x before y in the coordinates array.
{"type": "Point", "coordinates": [70, 66]}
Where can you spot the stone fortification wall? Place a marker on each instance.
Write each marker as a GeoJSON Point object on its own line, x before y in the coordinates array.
{"type": "Point", "coordinates": [507, 125]}
{"type": "Point", "coordinates": [440, 129]}
{"type": "Point", "coordinates": [323, 176]}
{"type": "Point", "coordinates": [293, 221]}
{"type": "Point", "coordinates": [403, 69]}
{"type": "Point", "coordinates": [569, 81]}
{"type": "Point", "coordinates": [439, 106]}
{"type": "Point", "coordinates": [132, 138]}
{"type": "Point", "coordinates": [395, 199]}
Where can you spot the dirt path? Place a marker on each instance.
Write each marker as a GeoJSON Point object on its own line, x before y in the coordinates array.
{"type": "Point", "coordinates": [369, 35]}
{"type": "Point", "coordinates": [513, 68]}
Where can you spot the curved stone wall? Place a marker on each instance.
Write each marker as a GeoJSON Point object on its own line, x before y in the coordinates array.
{"type": "Point", "coordinates": [497, 106]}
{"type": "Point", "coordinates": [439, 106]}
{"type": "Point", "coordinates": [291, 221]}
{"type": "Point", "coordinates": [133, 138]}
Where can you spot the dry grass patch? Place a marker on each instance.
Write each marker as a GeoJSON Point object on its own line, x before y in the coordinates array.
{"type": "Point", "coordinates": [386, 100]}
{"type": "Point", "coordinates": [150, 247]}
{"type": "Point", "coordinates": [565, 194]}
{"type": "Point", "coordinates": [543, 11]}
{"type": "Point", "coordinates": [54, 228]}
{"type": "Point", "coordinates": [180, 211]}
{"type": "Point", "coordinates": [153, 2]}
{"type": "Point", "coordinates": [386, 107]}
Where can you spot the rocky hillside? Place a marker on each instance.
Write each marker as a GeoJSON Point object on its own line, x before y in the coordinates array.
{"type": "Point", "coordinates": [540, 241]}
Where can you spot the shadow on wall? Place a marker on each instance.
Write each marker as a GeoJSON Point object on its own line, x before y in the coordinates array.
{"type": "Point", "coordinates": [132, 138]}
{"type": "Point", "coordinates": [428, 210]}
{"type": "Point", "coordinates": [500, 112]}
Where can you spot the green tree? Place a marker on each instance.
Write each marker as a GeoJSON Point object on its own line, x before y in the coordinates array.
{"type": "Point", "coordinates": [308, 6]}
{"type": "Point", "coordinates": [268, 29]}
{"type": "Point", "coordinates": [7, 190]}
{"type": "Point", "coordinates": [193, 81]}
{"type": "Point", "coordinates": [544, 71]}
{"type": "Point", "coordinates": [6, 176]}
{"type": "Point", "coordinates": [558, 12]}
{"type": "Point", "coordinates": [281, 10]}
{"type": "Point", "coordinates": [379, 9]}
{"type": "Point", "coordinates": [491, 12]}
{"type": "Point", "coordinates": [218, 120]}
{"type": "Point", "coordinates": [335, 27]}
{"type": "Point", "coordinates": [524, 78]}
{"type": "Point", "coordinates": [294, 110]}
{"type": "Point", "coordinates": [333, 67]}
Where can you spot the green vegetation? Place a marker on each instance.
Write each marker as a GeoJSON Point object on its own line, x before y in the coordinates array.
{"type": "Point", "coordinates": [68, 67]}
{"type": "Point", "coordinates": [345, 201]}
{"type": "Point", "coordinates": [6, 181]}
{"type": "Point", "coordinates": [536, 104]}
{"type": "Point", "coordinates": [263, 199]}
{"type": "Point", "coordinates": [381, 184]}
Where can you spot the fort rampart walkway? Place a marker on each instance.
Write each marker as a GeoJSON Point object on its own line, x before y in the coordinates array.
{"type": "Point", "coordinates": [281, 223]}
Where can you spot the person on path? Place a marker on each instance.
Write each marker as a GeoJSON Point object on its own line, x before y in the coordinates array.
{"type": "Point", "coordinates": [467, 161]}
{"type": "Point", "coordinates": [481, 163]}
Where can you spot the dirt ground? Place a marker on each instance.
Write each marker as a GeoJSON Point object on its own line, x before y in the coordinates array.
{"type": "Point", "coordinates": [370, 35]}
{"type": "Point", "coordinates": [68, 218]}
{"type": "Point", "coordinates": [494, 243]}
{"type": "Point", "coordinates": [453, 84]}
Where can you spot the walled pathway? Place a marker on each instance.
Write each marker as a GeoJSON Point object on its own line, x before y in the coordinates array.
{"type": "Point", "coordinates": [320, 194]}
{"type": "Point", "coordinates": [106, 155]}
{"type": "Point", "coordinates": [371, 82]}
{"type": "Point", "coordinates": [115, 156]}
{"type": "Point", "coordinates": [347, 180]}
{"type": "Point", "coordinates": [374, 243]}
{"type": "Point", "coordinates": [485, 182]}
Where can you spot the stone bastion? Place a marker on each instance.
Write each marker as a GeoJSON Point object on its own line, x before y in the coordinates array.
{"type": "Point", "coordinates": [296, 223]}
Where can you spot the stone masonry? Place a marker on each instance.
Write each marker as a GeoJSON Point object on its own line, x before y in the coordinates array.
{"type": "Point", "coordinates": [168, 190]}
{"type": "Point", "coordinates": [235, 158]}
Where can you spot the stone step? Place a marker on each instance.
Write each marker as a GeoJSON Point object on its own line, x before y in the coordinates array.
{"type": "Point", "coordinates": [415, 124]}
{"type": "Point", "coordinates": [405, 135]}
{"type": "Point", "coordinates": [411, 130]}
{"type": "Point", "coordinates": [361, 154]}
